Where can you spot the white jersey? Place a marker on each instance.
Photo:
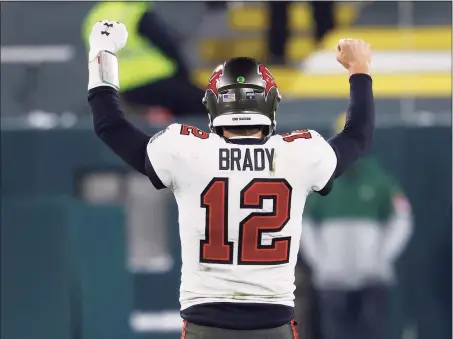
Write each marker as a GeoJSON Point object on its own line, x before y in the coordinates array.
{"type": "Point", "coordinates": [240, 210]}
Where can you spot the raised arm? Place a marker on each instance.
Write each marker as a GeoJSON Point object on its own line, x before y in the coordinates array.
{"type": "Point", "coordinates": [110, 125]}
{"type": "Point", "coordinates": [356, 137]}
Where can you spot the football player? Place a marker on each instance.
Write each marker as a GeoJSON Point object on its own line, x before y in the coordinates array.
{"type": "Point", "coordinates": [240, 188]}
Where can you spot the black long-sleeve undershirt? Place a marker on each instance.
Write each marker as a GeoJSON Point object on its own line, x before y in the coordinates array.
{"type": "Point", "coordinates": [110, 125]}
{"type": "Point", "coordinates": [129, 143]}
{"type": "Point", "coordinates": [356, 137]}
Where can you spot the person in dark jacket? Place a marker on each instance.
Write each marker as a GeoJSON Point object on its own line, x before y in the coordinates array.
{"type": "Point", "coordinates": [279, 30]}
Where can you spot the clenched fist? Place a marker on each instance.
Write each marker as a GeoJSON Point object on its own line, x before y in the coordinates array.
{"type": "Point", "coordinates": [354, 55]}
{"type": "Point", "coordinates": [108, 36]}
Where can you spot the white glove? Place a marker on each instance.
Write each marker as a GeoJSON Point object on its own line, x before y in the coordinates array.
{"type": "Point", "coordinates": [106, 38]}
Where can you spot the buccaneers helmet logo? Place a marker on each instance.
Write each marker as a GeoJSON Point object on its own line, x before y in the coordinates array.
{"type": "Point", "coordinates": [212, 84]}
{"type": "Point", "coordinates": [268, 79]}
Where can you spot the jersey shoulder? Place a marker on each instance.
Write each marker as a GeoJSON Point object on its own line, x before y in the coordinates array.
{"type": "Point", "coordinates": [165, 150]}
{"type": "Point", "coordinates": [314, 153]}
{"type": "Point", "coordinates": [177, 135]}
{"type": "Point", "coordinates": [309, 143]}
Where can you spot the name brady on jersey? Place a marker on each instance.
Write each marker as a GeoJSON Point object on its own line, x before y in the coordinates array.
{"type": "Point", "coordinates": [258, 159]}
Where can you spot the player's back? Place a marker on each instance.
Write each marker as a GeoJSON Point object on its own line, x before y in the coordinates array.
{"type": "Point", "coordinates": [240, 204]}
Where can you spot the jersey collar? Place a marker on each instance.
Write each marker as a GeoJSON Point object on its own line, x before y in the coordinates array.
{"type": "Point", "coordinates": [246, 141]}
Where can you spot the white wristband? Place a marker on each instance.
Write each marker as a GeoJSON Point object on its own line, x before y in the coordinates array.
{"type": "Point", "coordinates": [103, 71]}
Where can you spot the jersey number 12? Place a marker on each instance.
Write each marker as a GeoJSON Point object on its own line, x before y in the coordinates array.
{"type": "Point", "coordinates": [217, 249]}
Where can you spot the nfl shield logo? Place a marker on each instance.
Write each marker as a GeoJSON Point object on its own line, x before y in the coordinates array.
{"type": "Point", "coordinates": [250, 95]}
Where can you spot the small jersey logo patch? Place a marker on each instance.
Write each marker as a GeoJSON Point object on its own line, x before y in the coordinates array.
{"type": "Point", "coordinates": [157, 135]}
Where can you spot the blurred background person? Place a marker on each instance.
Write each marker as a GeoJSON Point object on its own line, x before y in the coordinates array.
{"type": "Point", "coordinates": [351, 241]}
{"type": "Point", "coordinates": [279, 29]}
{"type": "Point", "coordinates": [217, 5]}
{"type": "Point", "coordinates": [154, 73]}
